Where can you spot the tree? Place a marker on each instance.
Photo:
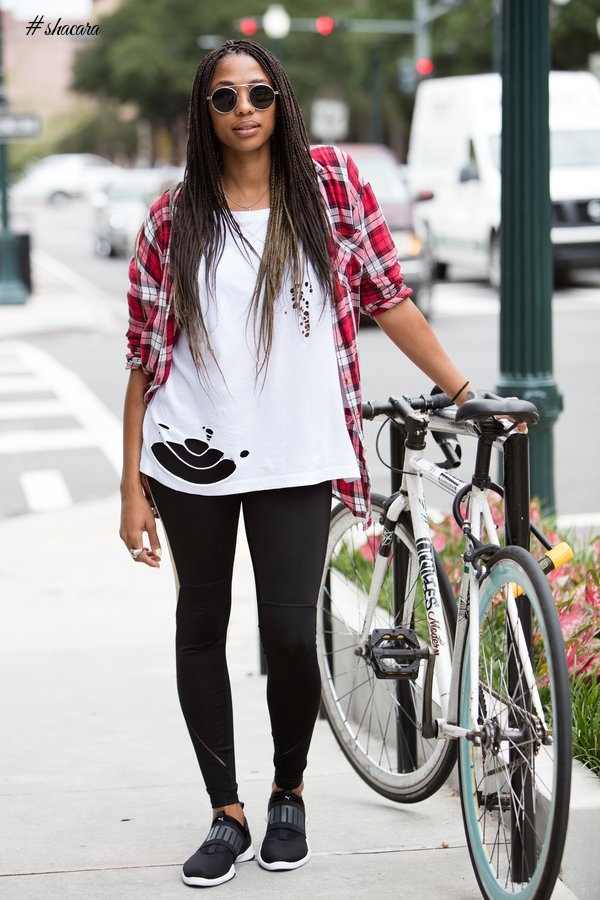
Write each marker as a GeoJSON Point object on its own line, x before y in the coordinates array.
{"type": "Point", "coordinates": [574, 35]}
{"type": "Point", "coordinates": [147, 55]}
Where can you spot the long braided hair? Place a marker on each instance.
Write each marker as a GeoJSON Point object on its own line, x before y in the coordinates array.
{"type": "Point", "coordinates": [297, 226]}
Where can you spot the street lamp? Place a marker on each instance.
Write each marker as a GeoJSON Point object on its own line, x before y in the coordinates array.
{"type": "Point", "coordinates": [276, 23]}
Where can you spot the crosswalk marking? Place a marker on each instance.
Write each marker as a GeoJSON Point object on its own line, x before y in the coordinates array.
{"type": "Point", "coordinates": [11, 365]}
{"type": "Point", "coordinates": [21, 384]}
{"type": "Point", "coordinates": [98, 426]}
{"type": "Point", "coordinates": [36, 390]}
{"type": "Point", "coordinates": [33, 409]}
{"type": "Point", "coordinates": [45, 490]}
{"type": "Point", "coordinates": [36, 441]}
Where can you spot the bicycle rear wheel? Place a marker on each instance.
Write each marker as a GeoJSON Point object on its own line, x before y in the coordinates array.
{"type": "Point", "coordinates": [377, 722]}
{"type": "Point", "coordinates": [515, 785]}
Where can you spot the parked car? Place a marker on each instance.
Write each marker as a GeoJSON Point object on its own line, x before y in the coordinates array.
{"type": "Point", "coordinates": [378, 165]}
{"type": "Point", "coordinates": [61, 177]}
{"type": "Point", "coordinates": [121, 207]}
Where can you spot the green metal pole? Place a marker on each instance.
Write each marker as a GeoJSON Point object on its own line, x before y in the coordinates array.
{"type": "Point", "coordinates": [12, 289]}
{"type": "Point", "coordinates": [526, 253]}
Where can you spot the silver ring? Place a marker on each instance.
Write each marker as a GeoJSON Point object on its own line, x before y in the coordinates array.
{"type": "Point", "coordinates": [137, 553]}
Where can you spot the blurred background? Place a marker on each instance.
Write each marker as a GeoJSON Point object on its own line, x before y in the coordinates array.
{"type": "Point", "coordinates": [93, 118]}
{"type": "Point", "coordinates": [124, 94]}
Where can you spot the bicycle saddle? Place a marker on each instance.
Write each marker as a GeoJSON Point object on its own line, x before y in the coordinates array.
{"type": "Point", "coordinates": [485, 406]}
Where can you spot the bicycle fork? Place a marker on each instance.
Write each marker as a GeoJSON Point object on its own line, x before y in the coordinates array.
{"type": "Point", "coordinates": [477, 525]}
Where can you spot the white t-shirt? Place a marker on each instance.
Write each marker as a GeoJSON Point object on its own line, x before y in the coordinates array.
{"type": "Point", "coordinates": [231, 430]}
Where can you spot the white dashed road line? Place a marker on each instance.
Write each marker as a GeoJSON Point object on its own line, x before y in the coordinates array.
{"type": "Point", "coordinates": [45, 490]}
{"type": "Point", "coordinates": [98, 426]}
{"type": "Point", "coordinates": [34, 389]}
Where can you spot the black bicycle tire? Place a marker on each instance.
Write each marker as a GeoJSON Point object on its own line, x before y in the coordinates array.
{"type": "Point", "coordinates": [448, 748]}
{"type": "Point", "coordinates": [555, 811]}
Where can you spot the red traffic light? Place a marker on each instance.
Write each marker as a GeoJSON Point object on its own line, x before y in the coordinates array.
{"type": "Point", "coordinates": [424, 66]}
{"type": "Point", "coordinates": [248, 26]}
{"type": "Point", "coordinates": [324, 24]}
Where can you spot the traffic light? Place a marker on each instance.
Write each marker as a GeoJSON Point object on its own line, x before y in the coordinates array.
{"type": "Point", "coordinates": [424, 67]}
{"type": "Point", "coordinates": [248, 26]}
{"type": "Point", "coordinates": [324, 24]}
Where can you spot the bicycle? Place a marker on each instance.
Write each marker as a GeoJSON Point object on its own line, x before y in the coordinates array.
{"type": "Point", "coordinates": [414, 681]}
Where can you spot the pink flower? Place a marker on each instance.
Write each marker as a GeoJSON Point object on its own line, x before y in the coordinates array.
{"type": "Point", "coordinates": [439, 541]}
{"type": "Point", "coordinates": [370, 549]}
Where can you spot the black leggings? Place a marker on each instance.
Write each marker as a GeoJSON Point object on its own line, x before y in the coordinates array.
{"type": "Point", "coordinates": [287, 534]}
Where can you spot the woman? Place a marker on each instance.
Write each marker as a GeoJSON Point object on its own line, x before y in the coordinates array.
{"type": "Point", "coordinates": [244, 392]}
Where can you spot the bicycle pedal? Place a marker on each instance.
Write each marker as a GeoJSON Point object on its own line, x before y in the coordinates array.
{"type": "Point", "coordinates": [395, 653]}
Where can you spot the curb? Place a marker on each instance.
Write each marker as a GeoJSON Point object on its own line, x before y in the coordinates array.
{"type": "Point", "coordinates": [581, 861]}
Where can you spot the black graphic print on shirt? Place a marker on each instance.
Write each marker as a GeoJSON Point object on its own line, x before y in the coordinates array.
{"type": "Point", "coordinates": [194, 460]}
{"type": "Point", "coordinates": [301, 305]}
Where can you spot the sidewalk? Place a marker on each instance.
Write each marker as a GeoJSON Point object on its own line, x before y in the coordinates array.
{"type": "Point", "coordinates": [61, 301]}
{"type": "Point", "coordinates": [101, 796]}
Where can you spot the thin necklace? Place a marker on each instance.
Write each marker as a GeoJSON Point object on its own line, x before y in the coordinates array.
{"type": "Point", "coordinates": [241, 205]}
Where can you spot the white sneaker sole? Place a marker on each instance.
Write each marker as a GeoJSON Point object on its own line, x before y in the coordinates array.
{"type": "Point", "coordinates": [283, 866]}
{"type": "Point", "coordinates": [198, 881]}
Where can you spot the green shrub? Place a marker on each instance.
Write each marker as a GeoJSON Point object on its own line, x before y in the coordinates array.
{"type": "Point", "coordinates": [585, 698]}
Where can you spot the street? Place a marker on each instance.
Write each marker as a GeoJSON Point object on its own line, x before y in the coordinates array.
{"type": "Point", "coordinates": [61, 386]}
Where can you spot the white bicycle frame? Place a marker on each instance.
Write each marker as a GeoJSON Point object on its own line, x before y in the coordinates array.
{"type": "Point", "coordinates": [412, 498]}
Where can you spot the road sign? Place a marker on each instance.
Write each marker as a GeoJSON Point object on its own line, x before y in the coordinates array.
{"type": "Point", "coordinates": [19, 126]}
{"type": "Point", "coordinates": [329, 120]}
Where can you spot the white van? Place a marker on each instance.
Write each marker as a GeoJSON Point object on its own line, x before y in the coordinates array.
{"type": "Point", "coordinates": [454, 159]}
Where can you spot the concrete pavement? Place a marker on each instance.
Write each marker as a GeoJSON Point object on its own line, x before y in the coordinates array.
{"type": "Point", "coordinates": [101, 796]}
{"type": "Point", "coordinates": [100, 792]}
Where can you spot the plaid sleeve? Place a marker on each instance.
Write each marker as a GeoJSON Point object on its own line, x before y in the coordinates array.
{"type": "Point", "coordinates": [382, 283]}
{"type": "Point", "coordinates": [145, 278]}
{"type": "Point", "coordinates": [371, 262]}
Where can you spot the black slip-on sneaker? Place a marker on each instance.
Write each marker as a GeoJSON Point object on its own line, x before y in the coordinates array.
{"type": "Point", "coordinates": [284, 845]}
{"type": "Point", "coordinates": [226, 843]}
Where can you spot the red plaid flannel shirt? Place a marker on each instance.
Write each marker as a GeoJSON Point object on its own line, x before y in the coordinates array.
{"type": "Point", "coordinates": [368, 279]}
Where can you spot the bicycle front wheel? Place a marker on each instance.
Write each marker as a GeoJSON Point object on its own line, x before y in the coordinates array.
{"type": "Point", "coordinates": [377, 722]}
{"type": "Point", "coordinates": [515, 777]}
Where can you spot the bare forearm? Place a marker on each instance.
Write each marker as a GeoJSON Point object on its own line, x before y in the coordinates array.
{"type": "Point", "coordinates": [133, 418]}
{"type": "Point", "coordinates": [137, 517]}
{"type": "Point", "coordinates": [410, 331]}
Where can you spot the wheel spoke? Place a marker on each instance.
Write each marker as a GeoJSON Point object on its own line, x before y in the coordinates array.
{"type": "Point", "coordinates": [377, 720]}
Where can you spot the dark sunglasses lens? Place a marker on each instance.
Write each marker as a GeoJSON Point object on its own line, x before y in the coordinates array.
{"type": "Point", "coordinates": [262, 96]}
{"type": "Point", "coordinates": [224, 100]}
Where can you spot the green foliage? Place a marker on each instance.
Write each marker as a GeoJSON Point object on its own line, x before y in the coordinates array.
{"type": "Point", "coordinates": [585, 699]}
{"type": "Point", "coordinates": [101, 131]}
{"type": "Point", "coordinates": [146, 54]}
{"type": "Point", "coordinates": [574, 35]}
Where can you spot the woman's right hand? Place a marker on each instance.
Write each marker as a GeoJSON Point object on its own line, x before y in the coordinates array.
{"type": "Point", "coordinates": [138, 521]}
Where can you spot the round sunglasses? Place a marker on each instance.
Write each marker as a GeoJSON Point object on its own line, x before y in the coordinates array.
{"type": "Point", "coordinates": [224, 99]}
